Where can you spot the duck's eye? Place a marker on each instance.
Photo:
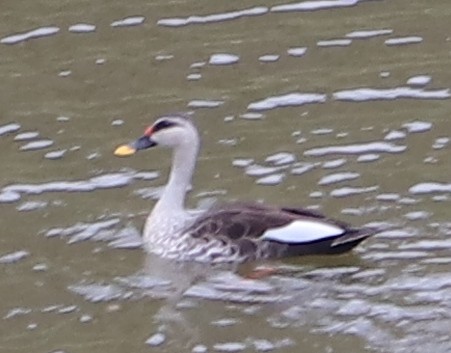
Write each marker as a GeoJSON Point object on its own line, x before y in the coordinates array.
{"type": "Point", "coordinates": [163, 124]}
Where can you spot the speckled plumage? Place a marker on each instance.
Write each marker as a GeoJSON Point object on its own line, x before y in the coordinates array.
{"type": "Point", "coordinates": [234, 232]}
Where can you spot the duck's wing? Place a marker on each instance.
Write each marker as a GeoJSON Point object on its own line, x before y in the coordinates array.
{"type": "Point", "coordinates": [257, 230]}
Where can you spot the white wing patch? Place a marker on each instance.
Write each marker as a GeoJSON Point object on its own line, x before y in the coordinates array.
{"type": "Point", "coordinates": [302, 231]}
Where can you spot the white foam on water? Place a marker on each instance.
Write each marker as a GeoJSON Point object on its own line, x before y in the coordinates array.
{"type": "Point", "coordinates": [287, 100]}
{"type": "Point", "coordinates": [269, 58]}
{"type": "Point", "coordinates": [361, 148]}
{"type": "Point", "coordinates": [128, 21]}
{"type": "Point", "coordinates": [104, 181]}
{"type": "Point", "coordinates": [204, 103]}
{"type": "Point", "coordinates": [364, 34]}
{"type": "Point", "coordinates": [335, 163]}
{"type": "Point", "coordinates": [419, 80]}
{"type": "Point", "coordinates": [417, 126]}
{"type": "Point", "coordinates": [340, 42]}
{"type": "Point", "coordinates": [369, 157]}
{"type": "Point", "coordinates": [36, 145]}
{"type": "Point", "coordinates": [395, 135]}
{"type": "Point", "coordinates": [403, 40]}
{"type": "Point", "coordinates": [164, 57]}
{"type": "Point", "coordinates": [57, 154]}
{"type": "Point", "coordinates": [252, 116]}
{"type": "Point", "coordinates": [349, 191]}
{"type": "Point", "coordinates": [223, 59]}
{"type": "Point", "coordinates": [212, 18]}
{"type": "Point", "coordinates": [14, 257]}
{"type": "Point", "coordinates": [368, 94]}
{"type": "Point", "coordinates": [9, 128]}
{"type": "Point", "coordinates": [338, 178]}
{"type": "Point", "coordinates": [258, 170]}
{"type": "Point", "coordinates": [273, 179]}
{"type": "Point", "coordinates": [35, 33]}
{"type": "Point", "coordinates": [314, 5]}
{"type": "Point", "coordinates": [82, 28]}
{"type": "Point", "coordinates": [242, 162]}
{"type": "Point", "coordinates": [281, 158]}
{"type": "Point", "coordinates": [193, 77]}
{"type": "Point", "coordinates": [28, 135]}
{"type": "Point", "coordinates": [429, 188]}
{"type": "Point", "coordinates": [297, 51]}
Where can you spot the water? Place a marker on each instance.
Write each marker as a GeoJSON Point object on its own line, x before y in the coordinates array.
{"type": "Point", "coordinates": [341, 106]}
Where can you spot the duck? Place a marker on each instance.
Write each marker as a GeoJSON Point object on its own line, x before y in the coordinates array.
{"type": "Point", "coordinates": [233, 232]}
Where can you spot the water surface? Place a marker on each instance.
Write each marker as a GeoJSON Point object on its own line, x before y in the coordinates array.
{"type": "Point", "coordinates": [341, 106]}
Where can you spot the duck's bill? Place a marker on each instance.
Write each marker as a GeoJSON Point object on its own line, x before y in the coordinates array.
{"type": "Point", "coordinates": [131, 148]}
{"type": "Point", "coordinates": [124, 151]}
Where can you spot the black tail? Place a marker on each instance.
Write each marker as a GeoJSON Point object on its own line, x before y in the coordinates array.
{"type": "Point", "coordinates": [332, 245]}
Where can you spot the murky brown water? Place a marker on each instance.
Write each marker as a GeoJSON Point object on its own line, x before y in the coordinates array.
{"type": "Point", "coordinates": [339, 105]}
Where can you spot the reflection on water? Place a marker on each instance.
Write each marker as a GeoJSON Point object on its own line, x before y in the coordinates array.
{"type": "Point", "coordinates": [337, 105]}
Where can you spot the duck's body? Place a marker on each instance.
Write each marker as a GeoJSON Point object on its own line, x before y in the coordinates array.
{"type": "Point", "coordinates": [234, 232]}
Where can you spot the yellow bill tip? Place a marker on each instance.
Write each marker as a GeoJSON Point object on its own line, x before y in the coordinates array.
{"type": "Point", "coordinates": [124, 151]}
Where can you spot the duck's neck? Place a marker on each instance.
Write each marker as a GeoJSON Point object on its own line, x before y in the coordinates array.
{"type": "Point", "coordinates": [183, 164]}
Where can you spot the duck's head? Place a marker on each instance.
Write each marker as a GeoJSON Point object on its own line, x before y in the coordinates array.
{"type": "Point", "coordinates": [168, 131]}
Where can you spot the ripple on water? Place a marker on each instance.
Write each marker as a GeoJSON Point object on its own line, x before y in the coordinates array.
{"type": "Point", "coordinates": [28, 135]}
{"type": "Point", "coordinates": [369, 157]}
{"type": "Point", "coordinates": [65, 73]}
{"type": "Point", "coordinates": [218, 17]}
{"type": "Point", "coordinates": [338, 178]}
{"type": "Point", "coordinates": [273, 179]}
{"type": "Point", "coordinates": [193, 77]}
{"type": "Point", "coordinates": [14, 257]}
{"type": "Point", "coordinates": [105, 230]}
{"type": "Point", "coordinates": [36, 145]}
{"type": "Point", "coordinates": [403, 40]}
{"type": "Point", "coordinates": [223, 59]}
{"type": "Point", "coordinates": [301, 168]}
{"type": "Point", "coordinates": [281, 158]}
{"type": "Point", "coordinates": [36, 33]}
{"type": "Point", "coordinates": [365, 34]}
{"type": "Point", "coordinates": [314, 5]}
{"type": "Point", "coordinates": [340, 42]}
{"type": "Point", "coordinates": [242, 162]}
{"type": "Point", "coordinates": [389, 197]}
{"type": "Point", "coordinates": [157, 339]}
{"type": "Point", "coordinates": [429, 188]}
{"type": "Point", "coordinates": [395, 135]}
{"type": "Point", "coordinates": [419, 80]}
{"type": "Point", "coordinates": [204, 103]}
{"type": "Point", "coordinates": [269, 58]}
{"type": "Point", "coordinates": [297, 51]}
{"type": "Point", "coordinates": [321, 131]}
{"type": "Point", "coordinates": [82, 28]}
{"type": "Point", "coordinates": [129, 21]}
{"type": "Point", "coordinates": [440, 142]}
{"type": "Point", "coordinates": [9, 196]}
{"type": "Point", "coordinates": [335, 163]}
{"type": "Point", "coordinates": [287, 100]}
{"type": "Point", "coordinates": [350, 191]}
{"type": "Point", "coordinates": [31, 206]}
{"type": "Point", "coordinates": [252, 116]}
{"type": "Point", "coordinates": [367, 94]}
{"type": "Point", "coordinates": [257, 170]}
{"type": "Point", "coordinates": [229, 347]}
{"type": "Point", "coordinates": [98, 292]}
{"type": "Point", "coordinates": [105, 181]}
{"type": "Point", "coordinates": [417, 126]}
{"type": "Point", "coordinates": [362, 148]}
{"type": "Point", "coordinates": [164, 57]}
{"type": "Point", "coordinates": [9, 128]}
